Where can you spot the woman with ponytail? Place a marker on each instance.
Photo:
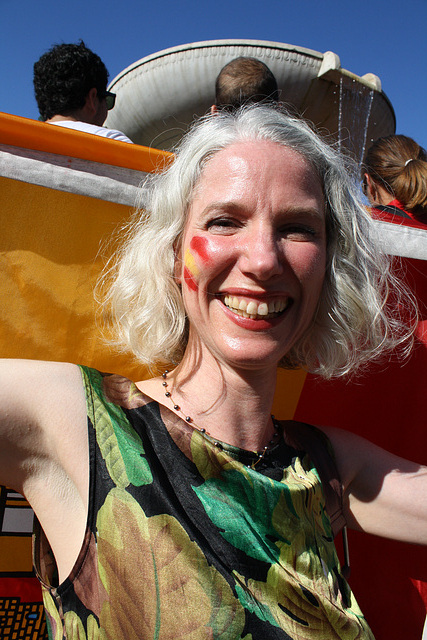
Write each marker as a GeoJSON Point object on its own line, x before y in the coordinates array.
{"type": "Point", "coordinates": [395, 179]}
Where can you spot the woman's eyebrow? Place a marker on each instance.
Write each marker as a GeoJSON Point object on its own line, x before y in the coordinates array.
{"type": "Point", "coordinates": [222, 207]}
{"type": "Point", "coordinates": [230, 205]}
{"type": "Point", "coordinates": [311, 212]}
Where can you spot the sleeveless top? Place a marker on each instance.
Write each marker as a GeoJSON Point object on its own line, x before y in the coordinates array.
{"type": "Point", "coordinates": [186, 540]}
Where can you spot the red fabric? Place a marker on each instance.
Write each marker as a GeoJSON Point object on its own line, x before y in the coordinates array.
{"type": "Point", "coordinates": [388, 407]}
{"type": "Point", "coordinates": [388, 216]}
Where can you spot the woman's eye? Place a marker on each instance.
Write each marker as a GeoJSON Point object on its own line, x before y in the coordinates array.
{"type": "Point", "coordinates": [298, 231]}
{"type": "Point", "coordinates": [223, 224]}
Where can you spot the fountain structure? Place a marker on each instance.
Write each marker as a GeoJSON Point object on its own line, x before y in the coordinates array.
{"type": "Point", "coordinates": [160, 95]}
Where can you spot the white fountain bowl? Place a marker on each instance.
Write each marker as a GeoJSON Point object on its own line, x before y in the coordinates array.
{"type": "Point", "coordinates": [161, 94]}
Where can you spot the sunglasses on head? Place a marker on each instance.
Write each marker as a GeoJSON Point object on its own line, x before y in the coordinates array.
{"type": "Point", "coordinates": [110, 99]}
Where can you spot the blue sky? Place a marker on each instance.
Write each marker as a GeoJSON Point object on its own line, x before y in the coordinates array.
{"type": "Point", "coordinates": [385, 37]}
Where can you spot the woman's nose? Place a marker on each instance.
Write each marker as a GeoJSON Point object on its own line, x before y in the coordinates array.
{"type": "Point", "coordinates": [261, 254]}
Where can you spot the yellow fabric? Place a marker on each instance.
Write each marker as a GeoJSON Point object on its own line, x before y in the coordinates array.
{"type": "Point", "coordinates": [49, 263]}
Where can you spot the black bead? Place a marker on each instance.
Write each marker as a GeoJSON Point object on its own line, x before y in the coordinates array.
{"type": "Point", "coordinates": [167, 394]}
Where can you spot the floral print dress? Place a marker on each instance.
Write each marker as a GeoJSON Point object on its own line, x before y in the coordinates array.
{"type": "Point", "coordinates": [185, 540]}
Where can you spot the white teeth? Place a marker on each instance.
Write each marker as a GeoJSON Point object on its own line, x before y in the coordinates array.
{"type": "Point", "coordinates": [242, 305]}
{"type": "Point", "coordinates": [254, 309]}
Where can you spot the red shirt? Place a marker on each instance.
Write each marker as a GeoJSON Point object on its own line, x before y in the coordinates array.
{"type": "Point", "coordinates": [395, 212]}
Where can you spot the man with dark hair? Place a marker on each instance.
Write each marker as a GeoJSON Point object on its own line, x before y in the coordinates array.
{"type": "Point", "coordinates": [70, 84]}
{"type": "Point", "coordinates": [242, 81]}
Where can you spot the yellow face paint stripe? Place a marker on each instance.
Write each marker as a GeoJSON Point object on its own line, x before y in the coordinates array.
{"type": "Point", "coordinates": [191, 264]}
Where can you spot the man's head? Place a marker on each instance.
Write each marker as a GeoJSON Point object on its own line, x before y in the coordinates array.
{"type": "Point", "coordinates": [244, 80]}
{"type": "Point", "coordinates": [65, 76]}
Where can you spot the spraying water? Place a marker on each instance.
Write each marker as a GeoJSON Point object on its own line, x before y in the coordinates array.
{"type": "Point", "coordinates": [354, 110]}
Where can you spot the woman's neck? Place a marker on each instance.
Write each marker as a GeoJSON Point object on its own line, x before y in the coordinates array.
{"type": "Point", "coordinates": [233, 405]}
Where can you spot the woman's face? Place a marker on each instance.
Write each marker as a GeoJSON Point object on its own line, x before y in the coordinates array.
{"type": "Point", "coordinates": [253, 254]}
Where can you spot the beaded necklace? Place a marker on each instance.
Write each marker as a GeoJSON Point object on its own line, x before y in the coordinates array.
{"type": "Point", "coordinates": [259, 455]}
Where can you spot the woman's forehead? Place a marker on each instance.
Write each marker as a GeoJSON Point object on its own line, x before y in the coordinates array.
{"type": "Point", "coordinates": [244, 164]}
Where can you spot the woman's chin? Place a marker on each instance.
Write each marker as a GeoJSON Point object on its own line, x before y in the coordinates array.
{"type": "Point", "coordinates": [241, 354]}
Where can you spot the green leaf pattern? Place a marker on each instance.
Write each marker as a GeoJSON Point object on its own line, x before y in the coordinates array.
{"type": "Point", "coordinates": [120, 445]}
{"type": "Point", "coordinates": [154, 581]}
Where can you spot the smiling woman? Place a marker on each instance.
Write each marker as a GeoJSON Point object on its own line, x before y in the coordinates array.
{"type": "Point", "coordinates": [256, 231]}
{"type": "Point", "coordinates": [179, 506]}
{"type": "Point", "coordinates": [352, 323]}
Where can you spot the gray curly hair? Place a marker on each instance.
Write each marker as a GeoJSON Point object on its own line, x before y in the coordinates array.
{"type": "Point", "coordinates": [356, 318]}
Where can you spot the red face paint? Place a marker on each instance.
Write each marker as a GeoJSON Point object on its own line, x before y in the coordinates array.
{"type": "Point", "coordinates": [202, 252]}
{"type": "Point", "coordinates": [200, 246]}
{"type": "Point", "coordinates": [191, 270]}
{"type": "Point", "coordinates": [189, 280]}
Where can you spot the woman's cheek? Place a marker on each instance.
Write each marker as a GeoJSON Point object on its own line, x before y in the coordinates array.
{"type": "Point", "coordinates": [311, 263]}
{"type": "Point", "coordinates": [200, 246]}
{"type": "Point", "coordinates": [191, 271]}
{"type": "Point", "coordinates": [202, 254]}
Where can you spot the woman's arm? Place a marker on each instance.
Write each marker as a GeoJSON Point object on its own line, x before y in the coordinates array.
{"type": "Point", "coordinates": [44, 450]}
{"type": "Point", "coordinates": [383, 494]}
